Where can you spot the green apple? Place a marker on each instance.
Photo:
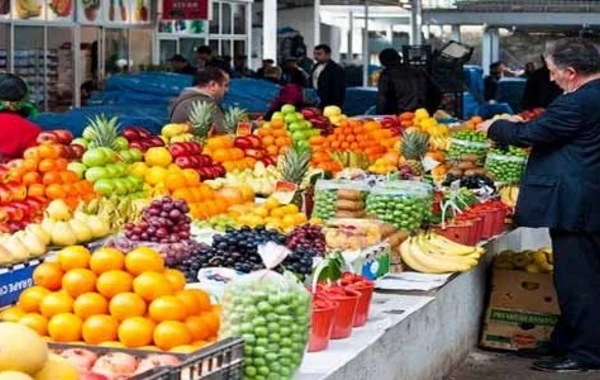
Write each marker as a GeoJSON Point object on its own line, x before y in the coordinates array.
{"type": "Point", "coordinates": [78, 168]}
{"type": "Point", "coordinates": [304, 144]}
{"type": "Point", "coordinates": [111, 154]}
{"type": "Point", "coordinates": [137, 155]}
{"type": "Point", "coordinates": [288, 108]}
{"type": "Point", "coordinates": [94, 157]}
{"type": "Point", "coordinates": [277, 116]}
{"type": "Point", "coordinates": [121, 143]}
{"type": "Point", "coordinates": [88, 133]}
{"type": "Point", "coordinates": [137, 181]}
{"type": "Point", "coordinates": [96, 173]}
{"type": "Point", "coordinates": [299, 116]}
{"type": "Point", "coordinates": [290, 118]}
{"type": "Point", "coordinates": [80, 141]}
{"type": "Point", "coordinates": [314, 132]}
{"type": "Point", "coordinates": [121, 186]}
{"type": "Point", "coordinates": [104, 186]}
{"type": "Point", "coordinates": [299, 136]}
{"type": "Point", "coordinates": [112, 171]}
{"type": "Point", "coordinates": [295, 126]}
{"type": "Point", "coordinates": [306, 124]}
{"type": "Point", "coordinates": [125, 155]}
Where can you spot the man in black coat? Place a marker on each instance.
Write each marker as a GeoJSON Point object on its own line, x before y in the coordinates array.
{"type": "Point", "coordinates": [561, 191]}
{"type": "Point", "coordinates": [540, 91]}
{"type": "Point", "coordinates": [328, 78]}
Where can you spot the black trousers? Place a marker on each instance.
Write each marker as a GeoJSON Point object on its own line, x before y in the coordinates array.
{"type": "Point", "coordinates": [577, 281]}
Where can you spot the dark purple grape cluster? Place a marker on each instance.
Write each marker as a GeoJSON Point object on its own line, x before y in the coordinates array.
{"type": "Point", "coordinates": [307, 237]}
{"type": "Point", "coordinates": [165, 220]}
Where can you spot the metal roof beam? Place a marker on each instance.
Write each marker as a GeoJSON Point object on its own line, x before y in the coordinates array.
{"type": "Point", "coordinates": [449, 17]}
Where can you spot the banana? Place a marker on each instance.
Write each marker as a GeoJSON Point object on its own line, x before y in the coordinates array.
{"type": "Point", "coordinates": [424, 245]}
{"type": "Point", "coordinates": [449, 247]}
{"type": "Point", "coordinates": [435, 264]}
{"type": "Point", "coordinates": [408, 259]}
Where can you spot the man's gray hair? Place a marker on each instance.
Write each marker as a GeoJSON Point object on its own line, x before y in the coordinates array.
{"type": "Point", "coordinates": [578, 53]}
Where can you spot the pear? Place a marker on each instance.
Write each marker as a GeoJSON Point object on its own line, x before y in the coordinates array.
{"type": "Point", "coordinates": [98, 227]}
{"type": "Point", "coordinates": [38, 231]}
{"type": "Point", "coordinates": [58, 210]}
{"type": "Point", "coordinates": [47, 226]}
{"type": "Point", "coordinates": [63, 235]}
{"type": "Point", "coordinates": [16, 247]}
{"type": "Point", "coordinates": [82, 231]}
{"type": "Point", "coordinates": [6, 256]}
{"type": "Point", "coordinates": [81, 216]}
{"type": "Point", "coordinates": [33, 243]}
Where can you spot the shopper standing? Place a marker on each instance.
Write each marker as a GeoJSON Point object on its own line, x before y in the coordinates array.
{"type": "Point", "coordinates": [210, 86]}
{"type": "Point", "coordinates": [180, 65]}
{"type": "Point", "coordinates": [206, 59]}
{"type": "Point", "coordinates": [328, 78]}
{"type": "Point", "coordinates": [16, 132]}
{"type": "Point", "coordinates": [540, 91]}
{"type": "Point", "coordinates": [560, 191]}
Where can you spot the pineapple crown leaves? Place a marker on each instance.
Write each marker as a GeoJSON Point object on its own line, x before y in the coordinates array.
{"type": "Point", "coordinates": [414, 145]}
{"type": "Point", "coordinates": [103, 132]}
{"type": "Point", "coordinates": [294, 163]}
{"type": "Point", "coordinates": [201, 118]}
{"type": "Point", "coordinates": [233, 116]}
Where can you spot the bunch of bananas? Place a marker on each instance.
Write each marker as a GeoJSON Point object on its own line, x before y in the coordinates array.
{"type": "Point", "coordinates": [348, 159]}
{"type": "Point", "coordinates": [116, 211]}
{"type": "Point", "coordinates": [540, 261]}
{"type": "Point", "coordinates": [433, 253]}
{"type": "Point", "coordinates": [439, 143]}
{"type": "Point", "coordinates": [509, 195]}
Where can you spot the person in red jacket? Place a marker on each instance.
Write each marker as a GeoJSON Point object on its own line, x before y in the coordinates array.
{"type": "Point", "coordinates": [291, 93]}
{"type": "Point", "coordinates": [16, 132]}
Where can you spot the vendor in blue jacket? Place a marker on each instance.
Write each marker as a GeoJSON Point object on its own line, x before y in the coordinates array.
{"type": "Point", "coordinates": [561, 191]}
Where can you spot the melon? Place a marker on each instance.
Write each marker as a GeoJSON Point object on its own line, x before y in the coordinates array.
{"type": "Point", "coordinates": [21, 349]}
{"type": "Point", "coordinates": [57, 367]}
{"type": "Point", "coordinates": [14, 375]}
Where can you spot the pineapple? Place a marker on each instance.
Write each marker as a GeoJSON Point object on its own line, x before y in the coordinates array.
{"type": "Point", "coordinates": [233, 117]}
{"type": "Point", "coordinates": [414, 146]}
{"type": "Point", "coordinates": [201, 119]}
{"type": "Point", "coordinates": [102, 132]}
{"type": "Point", "coordinates": [293, 166]}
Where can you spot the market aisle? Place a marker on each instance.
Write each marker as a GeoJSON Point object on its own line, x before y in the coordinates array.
{"type": "Point", "coordinates": [494, 366]}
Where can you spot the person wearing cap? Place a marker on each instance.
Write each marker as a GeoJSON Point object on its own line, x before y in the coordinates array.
{"type": "Point", "coordinates": [17, 132]}
{"type": "Point", "coordinates": [181, 65]}
{"type": "Point", "coordinates": [206, 59]}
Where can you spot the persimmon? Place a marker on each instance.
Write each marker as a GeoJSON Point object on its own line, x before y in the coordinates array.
{"type": "Point", "coordinates": [51, 178]}
{"type": "Point", "coordinates": [55, 191]}
{"type": "Point", "coordinates": [31, 178]}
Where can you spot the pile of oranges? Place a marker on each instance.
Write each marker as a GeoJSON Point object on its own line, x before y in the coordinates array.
{"type": "Point", "coordinates": [221, 149]}
{"type": "Point", "coordinates": [111, 299]}
{"type": "Point", "coordinates": [368, 138]}
{"type": "Point", "coordinates": [204, 202]}
{"type": "Point", "coordinates": [275, 137]}
{"type": "Point", "coordinates": [44, 172]}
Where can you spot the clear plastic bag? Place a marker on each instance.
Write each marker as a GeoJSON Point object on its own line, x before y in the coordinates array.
{"type": "Point", "coordinates": [462, 149]}
{"type": "Point", "coordinates": [272, 313]}
{"type": "Point", "coordinates": [354, 234]}
{"type": "Point", "coordinates": [506, 168]}
{"type": "Point", "coordinates": [340, 198]}
{"type": "Point", "coordinates": [403, 205]}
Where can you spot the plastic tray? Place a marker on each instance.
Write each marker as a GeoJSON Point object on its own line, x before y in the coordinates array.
{"type": "Point", "coordinates": [223, 360]}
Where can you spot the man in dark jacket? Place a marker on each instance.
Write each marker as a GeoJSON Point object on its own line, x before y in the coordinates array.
{"type": "Point", "coordinates": [490, 83]}
{"type": "Point", "coordinates": [560, 191]}
{"type": "Point", "coordinates": [540, 91]}
{"type": "Point", "coordinates": [404, 88]}
{"type": "Point", "coordinates": [181, 65]}
{"type": "Point", "coordinates": [328, 78]}
{"type": "Point", "coordinates": [206, 59]}
{"type": "Point", "coordinates": [210, 86]}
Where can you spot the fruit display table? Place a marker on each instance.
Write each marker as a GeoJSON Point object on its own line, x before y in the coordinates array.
{"type": "Point", "coordinates": [444, 322]}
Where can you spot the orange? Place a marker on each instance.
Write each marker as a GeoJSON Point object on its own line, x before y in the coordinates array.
{"type": "Point", "coordinates": [175, 181]}
{"type": "Point", "coordinates": [197, 327]}
{"type": "Point", "coordinates": [51, 178]}
{"type": "Point", "coordinates": [175, 278]}
{"type": "Point", "coordinates": [268, 140]}
{"type": "Point", "coordinates": [48, 151]}
{"type": "Point", "coordinates": [30, 164]}
{"type": "Point", "coordinates": [89, 304]}
{"type": "Point", "coordinates": [191, 301]}
{"type": "Point", "coordinates": [106, 259]}
{"type": "Point", "coordinates": [68, 176]}
{"type": "Point", "coordinates": [65, 327]}
{"type": "Point", "coordinates": [113, 282]}
{"type": "Point", "coordinates": [142, 260]}
{"type": "Point", "coordinates": [112, 344]}
{"type": "Point", "coordinates": [212, 321]}
{"type": "Point", "coordinates": [136, 332]}
{"type": "Point", "coordinates": [167, 308]}
{"type": "Point", "coordinates": [60, 164]}
{"type": "Point", "coordinates": [56, 303]}
{"type": "Point", "coordinates": [30, 298]}
{"type": "Point", "coordinates": [192, 178]}
{"type": "Point", "coordinates": [12, 314]}
{"type": "Point", "coordinates": [169, 334]}
{"type": "Point", "coordinates": [221, 155]}
{"type": "Point", "coordinates": [78, 281]}
{"type": "Point", "coordinates": [55, 191]}
{"type": "Point", "coordinates": [47, 165]}
{"type": "Point", "coordinates": [272, 150]}
{"type": "Point", "coordinates": [75, 256]}
{"type": "Point", "coordinates": [36, 322]}
{"type": "Point", "coordinates": [277, 124]}
{"type": "Point", "coordinates": [183, 194]}
{"type": "Point", "coordinates": [203, 298]}
{"type": "Point", "coordinates": [100, 328]}
{"type": "Point", "coordinates": [151, 285]}
{"type": "Point", "coordinates": [31, 178]}
{"type": "Point", "coordinates": [127, 305]}
{"type": "Point", "coordinates": [36, 190]}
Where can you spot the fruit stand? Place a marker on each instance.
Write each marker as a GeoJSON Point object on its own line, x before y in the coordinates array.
{"type": "Point", "coordinates": [285, 248]}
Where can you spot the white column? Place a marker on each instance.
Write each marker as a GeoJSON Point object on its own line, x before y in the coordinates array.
{"type": "Point", "coordinates": [490, 50]}
{"type": "Point", "coordinates": [249, 34]}
{"type": "Point", "coordinates": [317, 21]}
{"type": "Point", "coordinates": [270, 29]}
{"type": "Point", "coordinates": [416, 22]}
{"type": "Point", "coordinates": [350, 35]}
{"type": "Point", "coordinates": [389, 33]}
{"type": "Point", "coordinates": [366, 57]}
{"type": "Point", "coordinates": [77, 65]}
{"type": "Point", "coordinates": [455, 34]}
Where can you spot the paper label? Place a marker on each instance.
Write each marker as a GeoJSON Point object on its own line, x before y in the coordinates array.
{"type": "Point", "coordinates": [285, 191]}
{"type": "Point", "coordinates": [243, 129]}
{"type": "Point", "coordinates": [429, 164]}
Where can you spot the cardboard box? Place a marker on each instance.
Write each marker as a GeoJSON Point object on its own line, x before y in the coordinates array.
{"type": "Point", "coordinates": [522, 311]}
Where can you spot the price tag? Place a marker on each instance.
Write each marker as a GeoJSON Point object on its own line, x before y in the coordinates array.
{"type": "Point", "coordinates": [429, 164]}
{"type": "Point", "coordinates": [243, 129]}
{"type": "Point", "coordinates": [285, 191]}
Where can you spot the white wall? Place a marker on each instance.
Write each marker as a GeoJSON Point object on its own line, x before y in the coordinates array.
{"type": "Point", "coordinates": [301, 19]}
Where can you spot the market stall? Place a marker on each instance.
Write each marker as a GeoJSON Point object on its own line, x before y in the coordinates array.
{"type": "Point", "coordinates": [132, 254]}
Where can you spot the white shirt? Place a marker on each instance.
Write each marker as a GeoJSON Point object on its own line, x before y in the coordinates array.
{"type": "Point", "coordinates": [317, 73]}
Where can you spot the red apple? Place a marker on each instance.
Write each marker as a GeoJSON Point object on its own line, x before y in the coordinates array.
{"type": "Point", "coordinates": [64, 136]}
{"type": "Point", "coordinates": [184, 162]}
{"type": "Point", "coordinates": [178, 150]}
{"type": "Point", "coordinates": [195, 147]}
{"type": "Point", "coordinates": [195, 161]}
{"type": "Point", "coordinates": [14, 164]}
{"type": "Point", "coordinates": [156, 141]}
{"type": "Point", "coordinates": [254, 153]}
{"type": "Point", "coordinates": [47, 137]}
{"type": "Point", "coordinates": [255, 140]}
{"type": "Point", "coordinates": [81, 359]}
{"type": "Point", "coordinates": [77, 151]}
{"type": "Point", "coordinates": [15, 214]}
{"type": "Point", "coordinates": [137, 145]}
{"type": "Point", "coordinates": [18, 190]}
{"type": "Point", "coordinates": [143, 133]}
{"type": "Point", "coordinates": [30, 153]}
{"type": "Point", "coordinates": [242, 143]}
{"type": "Point", "coordinates": [131, 134]}
{"type": "Point", "coordinates": [115, 364]}
{"type": "Point", "coordinates": [5, 194]}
